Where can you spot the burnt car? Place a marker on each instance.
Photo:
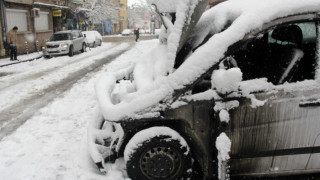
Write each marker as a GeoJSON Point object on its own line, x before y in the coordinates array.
{"type": "Point", "coordinates": [243, 98]}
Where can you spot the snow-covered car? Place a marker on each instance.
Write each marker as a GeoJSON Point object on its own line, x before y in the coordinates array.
{"type": "Point", "coordinates": [93, 38]}
{"type": "Point", "coordinates": [126, 32]}
{"type": "Point", "coordinates": [235, 92]}
{"type": "Point", "coordinates": [64, 42]}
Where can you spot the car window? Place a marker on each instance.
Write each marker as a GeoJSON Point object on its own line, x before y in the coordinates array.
{"type": "Point", "coordinates": [74, 35]}
{"type": "Point", "coordinates": [284, 53]}
{"type": "Point", "coordinates": [60, 37]}
{"type": "Point", "coordinates": [80, 34]}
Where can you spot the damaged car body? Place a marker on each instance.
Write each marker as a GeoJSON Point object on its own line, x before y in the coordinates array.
{"type": "Point", "coordinates": [270, 115]}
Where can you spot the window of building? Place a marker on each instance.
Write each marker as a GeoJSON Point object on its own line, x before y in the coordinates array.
{"type": "Point", "coordinates": [41, 22]}
{"type": "Point", "coordinates": [17, 18]}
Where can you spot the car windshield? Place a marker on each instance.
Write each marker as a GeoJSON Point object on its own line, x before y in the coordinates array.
{"type": "Point", "coordinates": [60, 37]}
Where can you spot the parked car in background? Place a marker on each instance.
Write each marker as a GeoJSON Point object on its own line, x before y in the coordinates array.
{"type": "Point", "coordinates": [64, 42]}
{"type": "Point", "coordinates": [93, 38]}
{"type": "Point", "coordinates": [126, 32]}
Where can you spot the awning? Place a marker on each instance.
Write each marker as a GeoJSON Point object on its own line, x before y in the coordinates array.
{"type": "Point", "coordinates": [50, 5]}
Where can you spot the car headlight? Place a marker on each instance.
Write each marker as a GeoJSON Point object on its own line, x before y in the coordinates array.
{"type": "Point", "coordinates": [43, 48]}
{"type": "Point", "coordinates": [65, 45]}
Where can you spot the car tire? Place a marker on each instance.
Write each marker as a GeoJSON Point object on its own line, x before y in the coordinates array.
{"type": "Point", "coordinates": [94, 44]}
{"type": "Point", "coordinates": [47, 56]}
{"type": "Point", "coordinates": [160, 158]}
{"type": "Point", "coordinates": [83, 49]}
{"type": "Point", "coordinates": [71, 51]}
{"type": "Point", "coordinates": [100, 43]}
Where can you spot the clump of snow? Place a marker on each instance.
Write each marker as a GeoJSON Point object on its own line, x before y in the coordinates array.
{"type": "Point", "coordinates": [255, 85]}
{"type": "Point", "coordinates": [256, 102]}
{"type": "Point", "coordinates": [177, 104]}
{"type": "Point", "coordinates": [226, 105]}
{"type": "Point", "coordinates": [121, 89]}
{"type": "Point", "coordinates": [206, 95]}
{"type": "Point", "coordinates": [150, 133]}
{"type": "Point", "coordinates": [226, 81]}
{"type": "Point", "coordinates": [150, 67]}
{"type": "Point", "coordinates": [99, 151]}
{"type": "Point", "coordinates": [223, 145]}
{"type": "Point", "coordinates": [224, 116]}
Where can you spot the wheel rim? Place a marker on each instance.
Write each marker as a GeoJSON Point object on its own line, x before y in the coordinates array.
{"type": "Point", "coordinates": [160, 162]}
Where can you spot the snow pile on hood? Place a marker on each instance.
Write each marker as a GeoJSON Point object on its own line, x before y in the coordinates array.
{"type": "Point", "coordinates": [244, 16]}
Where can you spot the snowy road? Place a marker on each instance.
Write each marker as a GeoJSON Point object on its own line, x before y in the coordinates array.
{"type": "Point", "coordinates": [30, 90]}
{"type": "Point", "coordinates": [52, 143]}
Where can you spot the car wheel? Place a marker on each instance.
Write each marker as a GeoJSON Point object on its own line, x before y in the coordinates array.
{"type": "Point", "coordinates": [83, 48]}
{"type": "Point", "coordinates": [160, 158]}
{"type": "Point", "coordinates": [94, 44]}
{"type": "Point", "coordinates": [100, 43]}
{"type": "Point", "coordinates": [71, 51]}
{"type": "Point", "coordinates": [47, 56]}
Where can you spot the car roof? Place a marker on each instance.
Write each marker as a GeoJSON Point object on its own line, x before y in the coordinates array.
{"type": "Point", "coordinates": [66, 31]}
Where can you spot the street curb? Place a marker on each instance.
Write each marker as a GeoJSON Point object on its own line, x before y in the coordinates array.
{"type": "Point", "coordinates": [21, 61]}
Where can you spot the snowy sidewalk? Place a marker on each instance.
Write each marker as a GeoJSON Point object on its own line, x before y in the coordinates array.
{"type": "Point", "coordinates": [22, 58]}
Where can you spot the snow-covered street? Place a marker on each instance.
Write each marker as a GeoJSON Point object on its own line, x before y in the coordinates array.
{"type": "Point", "coordinates": [46, 106]}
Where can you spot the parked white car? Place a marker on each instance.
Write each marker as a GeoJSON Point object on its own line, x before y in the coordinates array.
{"type": "Point", "coordinates": [64, 42]}
{"type": "Point", "coordinates": [93, 38]}
{"type": "Point", "coordinates": [126, 32]}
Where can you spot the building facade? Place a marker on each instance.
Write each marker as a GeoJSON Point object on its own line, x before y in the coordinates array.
{"type": "Point", "coordinates": [36, 20]}
{"type": "Point", "coordinates": [123, 20]}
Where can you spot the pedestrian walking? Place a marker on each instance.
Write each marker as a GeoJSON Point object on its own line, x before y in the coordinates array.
{"type": "Point", "coordinates": [12, 40]}
{"type": "Point", "coordinates": [137, 34]}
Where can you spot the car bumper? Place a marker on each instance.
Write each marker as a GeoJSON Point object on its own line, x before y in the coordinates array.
{"type": "Point", "coordinates": [104, 141]}
{"type": "Point", "coordinates": [55, 51]}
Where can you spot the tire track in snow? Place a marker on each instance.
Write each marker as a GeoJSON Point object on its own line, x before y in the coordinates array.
{"type": "Point", "coordinates": [17, 114]}
{"type": "Point", "coordinates": [33, 75]}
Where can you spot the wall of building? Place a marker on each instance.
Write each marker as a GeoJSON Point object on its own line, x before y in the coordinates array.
{"type": "Point", "coordinates": [123, 22]}
{"type": "Point", "coordinates": [33, 39]}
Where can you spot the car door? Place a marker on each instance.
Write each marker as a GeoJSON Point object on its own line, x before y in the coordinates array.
{"type": "Point", "coordinates": [76, 41]}
{"type": "Point", "coordinates": [279, 134]}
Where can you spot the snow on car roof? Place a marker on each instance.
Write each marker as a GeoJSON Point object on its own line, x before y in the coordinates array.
{"type": "Point", "coordinates": [152, 83]}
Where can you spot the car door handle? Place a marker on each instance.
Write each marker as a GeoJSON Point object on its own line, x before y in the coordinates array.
{"type": "Point", "coordinates": [310, 102]}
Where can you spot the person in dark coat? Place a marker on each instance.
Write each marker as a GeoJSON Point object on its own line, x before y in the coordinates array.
{"type": "Point", "coordinates": [137, 34]}
{"type": "Point", "coordinates": [12, 41]}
